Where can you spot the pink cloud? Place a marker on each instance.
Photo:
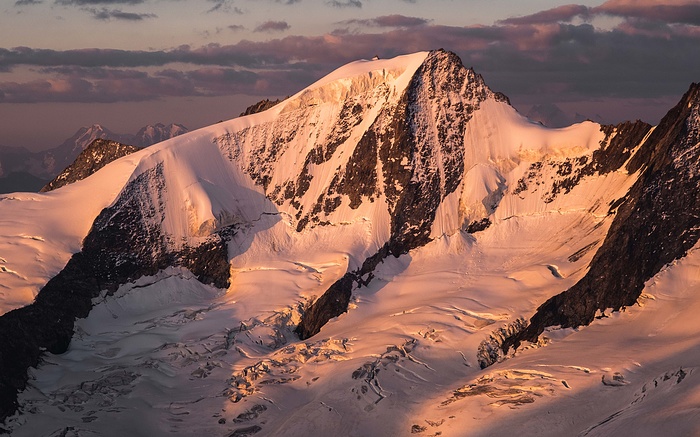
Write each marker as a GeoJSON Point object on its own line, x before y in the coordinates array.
{"type": "Point", "coordinates": [670, 11]}
{"type": "Point", "coordinates": [561, 13]}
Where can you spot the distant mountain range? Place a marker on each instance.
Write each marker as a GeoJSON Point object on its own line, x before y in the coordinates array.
{"type": "Point", "coordinates": [553, 116]}
{"type": "Point", "coordinates": [23, 170]}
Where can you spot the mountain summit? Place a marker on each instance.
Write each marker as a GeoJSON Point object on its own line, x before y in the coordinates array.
{"type": "Point", "coordinates": [394, 229]}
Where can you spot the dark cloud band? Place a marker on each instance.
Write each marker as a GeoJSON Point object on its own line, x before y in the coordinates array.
{"type": "Point", "coordinates": [99, 2]}
{"type": "Point", "coordinates": [272, 26]}
{"type": "Point", "coordinates": [540, 54]}
{"type": "Point", "coordinates": [388, 21]}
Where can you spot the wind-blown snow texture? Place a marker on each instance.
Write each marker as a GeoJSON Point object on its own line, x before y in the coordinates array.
{"type": "Point", "coordinates": [404, 221]}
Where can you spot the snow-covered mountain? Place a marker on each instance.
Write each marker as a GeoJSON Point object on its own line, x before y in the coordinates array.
{"type": "Point", "coordinates": [154, 133]}
{"type": "Point", "coordinates": [55, 160]}
{"type": "Point", "coordinates": [363, 258]}
{"type": "Point", "coordinates": [552, 115]}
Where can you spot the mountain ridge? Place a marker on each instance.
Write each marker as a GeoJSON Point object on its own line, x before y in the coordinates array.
{"type": "Point", "coordinates": [628, 257]}
{"type": "Point", "coordinates": [95, 156]}
{"type": "Point", "coordinates": [400, 208]}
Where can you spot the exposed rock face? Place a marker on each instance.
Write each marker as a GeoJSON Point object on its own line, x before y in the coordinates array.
{"type": "Point", "coordinates": [434, 110]}
{"type": "Point", "coordinates": [390, 152]}
{"type": "Point", "coordinates": [260, 106]}
{"type": "Point", "coordinates": [126, 242]}
{"type": "Point", "coordinates": [98, 154]}
{"type": "Point", "coordinates": [656, 223]}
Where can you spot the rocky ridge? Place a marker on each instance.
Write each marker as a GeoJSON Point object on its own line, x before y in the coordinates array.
{"type": "Point", "coordinates": [95, 156]}
{"type": "Point", "coordinates": [413, 192]}
{"type": "Point", "coordinates": [126, 242]}
{"type": "Point", "coordinates": [260, 106]}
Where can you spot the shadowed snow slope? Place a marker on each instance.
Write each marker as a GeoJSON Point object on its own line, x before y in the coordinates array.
{"type": "Point", "coordinates": [400, 217]}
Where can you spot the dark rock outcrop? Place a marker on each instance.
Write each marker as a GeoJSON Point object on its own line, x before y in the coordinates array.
{"type": "Point", "coordinates": [98, 154]}
{"type": "Point", "coordinates": [615, 150]}
{"type": "Point", "coordinates": [260, 106]}
{"type": "Point", "coordinates": [656, 223]}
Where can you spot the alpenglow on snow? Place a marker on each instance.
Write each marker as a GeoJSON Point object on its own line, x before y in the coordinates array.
{"type": "Point", "coordinates": [393, 250]}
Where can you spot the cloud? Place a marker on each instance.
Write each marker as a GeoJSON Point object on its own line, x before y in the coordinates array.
{"type": "Point", "coordinates": [561, 13]}
{"type": "Point", "coordinates": [389, 21]}
{"type": "Point", "coordinates": [212, 54]}
{"type": "Point", "coordinates": [97, 85]}
{"type": "Point", "coordinates": [545, 57]}
{"type": "Point", "coordinates": [272, 26]}
{"type": "Point", "coordinates": [224, 6]}
{"type": "Point", "coordinates": [668, 11]}
{"type": "Point", "coordinates": [117, 14]}
{"type": "Point", "coordinates": [236, 27]}
{"type": "Point", "coordinates": [99, 2]}
{"type": "Point", "coordinates": [94, 72]}
{"type": "Point", "coordinates": [685, 12]}
{"type": "Point", "coordinates": [28, 2]}
{"type": "Point", "coordinates": [345, 3]}
{"type": "Point", "coordinates": [74, 89]}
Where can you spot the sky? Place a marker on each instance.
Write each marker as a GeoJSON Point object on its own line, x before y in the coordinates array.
{"type": "Point", "coordinates": [127, 63]}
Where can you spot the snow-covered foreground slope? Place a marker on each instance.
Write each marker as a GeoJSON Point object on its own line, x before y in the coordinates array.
{"type": "Point", "coordinates": [400, 207]}
{"type": "Point", "coordinates": [403, 359]}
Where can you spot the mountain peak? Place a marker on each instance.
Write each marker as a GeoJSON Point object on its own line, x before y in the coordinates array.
{"type": "Point", "coordinates": [656, 223]}
{"type": "Point", "coordinates": [155, 133]}
{"type": "Point", "coordinates": [403, 192]}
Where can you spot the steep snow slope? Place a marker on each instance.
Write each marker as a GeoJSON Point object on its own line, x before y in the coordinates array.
{"type": "Point", "coordinates": [40, 231]}
{"type": "Point", "coordinates": [95, 156]}
{"type": "Point", "coordinates": [446, 217]}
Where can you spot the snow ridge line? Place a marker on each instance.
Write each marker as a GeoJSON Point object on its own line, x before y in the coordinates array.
{"type": "Point", "coordinates": [418, 135]}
